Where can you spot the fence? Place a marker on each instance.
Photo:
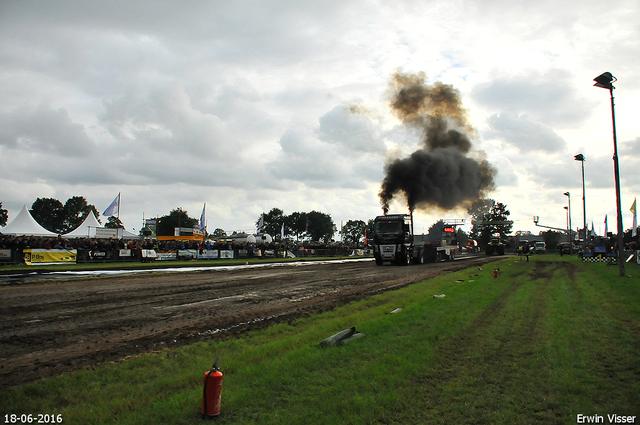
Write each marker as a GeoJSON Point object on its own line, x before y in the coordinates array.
{"type": "Point", "coordinates": [83, 256]}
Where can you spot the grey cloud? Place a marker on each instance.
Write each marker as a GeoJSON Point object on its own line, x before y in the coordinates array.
{"type": "Point", "coordinates": [229, 32]}
{"type": "Point", "coordinates": [553, 174]}
{"type": "Point", "coordinates": [506, 175]}
{"type": "Point", "coordinates": [548, 97]}
{"type": "Point", "coordinates": [44, 129]}
{"type": "Point", "coordinates": [305, 158]}
{"type": "Point", "coordinates": [165, 120]}
{"type": "Point", "coordinates": [353, 131]}
{"type": "Point", "coordinates": [629, 154]}
{"type": "Point", "coordinates": [524, 133]}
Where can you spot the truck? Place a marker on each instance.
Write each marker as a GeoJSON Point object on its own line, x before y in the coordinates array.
{"type": "Point", "coordinates": [540, 247]}
{"type": "Point", "coordinates": [495, 246]}
{"type": "Point", "coordinates": [395, 242]}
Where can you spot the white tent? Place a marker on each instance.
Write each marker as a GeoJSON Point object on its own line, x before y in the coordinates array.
{"type": "Point", "coordinates": [87, 229]}
{"type": "Point", "coordinates": [91, 228]}
{"type": "Point", "coordinates": [25, 225]}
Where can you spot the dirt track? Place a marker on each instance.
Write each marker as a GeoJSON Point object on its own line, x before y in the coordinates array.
{"type": "Point", "coordinates": [52, 327]}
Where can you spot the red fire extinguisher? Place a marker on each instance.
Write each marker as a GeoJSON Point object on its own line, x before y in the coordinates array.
{"type": "Point", "coordinates": [212, 391]}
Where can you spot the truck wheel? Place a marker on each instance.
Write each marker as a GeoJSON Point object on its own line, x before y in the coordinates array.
{"type": "Point", "coordinates": [407, 258]}
{"type": "Point", "coordinates": [378, 260]}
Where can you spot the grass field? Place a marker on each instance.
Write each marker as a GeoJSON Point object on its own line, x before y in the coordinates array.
{"type": "Point", "coordinates": [547, 340]}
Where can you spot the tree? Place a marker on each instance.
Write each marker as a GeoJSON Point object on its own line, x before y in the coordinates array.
{"type": "Point", "coordinates": [321, 226]}
{"type": "Point", "coordinates": [4, 216]}
{"type": "Point", "coordinates": [219, 233]}
{"type": "Point", "coordinates": [436, 230]}
{"type": "Point", "coordinates": [477, 211]}
{"type": "Point", "coordinates": [76, 210]}
{"type": "Point", "coordinates": [273, 221]}
{"type": "Point", "coordinates": [114, 222]}
{"type": "Point", "coordinates": [551, 239]}
{"type": "Point", "coordinates": [58, 218]}
{"type": "Point", "coordinates": [49, 213]}
{"type": "Point", "coordinates": [370, 231]}
{"type": "Point", "coordinates": [462, 237]}
{"type": "Point", "coordinates": [297, 223]}
{"type": "Point", "coordinates": [499, 219]}
{"type": "Point", "coordinates": [353, 231]}
{"type": "Point", "coordinates": [176, 218]}
{"type": "Point", "coordinates": [495, 222]}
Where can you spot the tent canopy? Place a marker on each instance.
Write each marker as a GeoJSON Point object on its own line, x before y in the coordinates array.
{"type": "Point", "coordinates": [87, 229]}
{"type": "Point", "coordinates": [25, 225]}
{"type": "Point", "coordinates": [91, 228]}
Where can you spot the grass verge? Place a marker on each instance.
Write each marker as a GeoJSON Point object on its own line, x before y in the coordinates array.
{"type": "Point", "coordinates": [547, 340]}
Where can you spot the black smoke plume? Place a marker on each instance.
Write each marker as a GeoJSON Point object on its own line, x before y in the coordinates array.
{"type": "Point", "coordinates": [441, 174]}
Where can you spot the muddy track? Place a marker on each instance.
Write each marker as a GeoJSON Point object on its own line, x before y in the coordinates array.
{"type": "Point", "coordinates": [55, 326]}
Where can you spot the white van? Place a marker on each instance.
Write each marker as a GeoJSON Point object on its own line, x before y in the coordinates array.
{"type": "Point", "coordinates": [540, 248]}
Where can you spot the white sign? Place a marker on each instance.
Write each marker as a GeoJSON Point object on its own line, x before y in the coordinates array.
{"type": "Point", "coordinates": [208, 254]}
{"type": "Point", "coordinates": [226, 253]}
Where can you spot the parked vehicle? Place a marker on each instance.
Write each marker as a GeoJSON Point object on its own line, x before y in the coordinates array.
{"type": "Point", "coordinates": [540, 248]}
{"type": "Point", "coordinates": [564, 248]}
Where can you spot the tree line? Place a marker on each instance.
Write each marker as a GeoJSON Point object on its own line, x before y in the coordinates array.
{"type": "Point", "coordinates": [56, 217]}
{"type": "Point", "coordinates": [60, 218]}
{"type": "Point", "coordinates": [488, 218]}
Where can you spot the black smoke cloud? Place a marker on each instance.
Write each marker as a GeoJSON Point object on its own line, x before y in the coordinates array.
{"type": "Point", "coordinates": [441, 174]}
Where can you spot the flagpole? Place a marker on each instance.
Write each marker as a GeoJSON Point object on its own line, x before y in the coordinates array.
{"type": "Point", "coordinates": [119, 205]}
{"type": "Point", "coordinates": [634, 210]}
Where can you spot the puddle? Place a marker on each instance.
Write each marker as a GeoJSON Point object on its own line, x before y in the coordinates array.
{"type": "Point", "coordinates": [70, 274]}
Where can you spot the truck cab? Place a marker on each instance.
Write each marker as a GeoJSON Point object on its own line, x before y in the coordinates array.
{"type": "Point", "coordinates": [392, 238]}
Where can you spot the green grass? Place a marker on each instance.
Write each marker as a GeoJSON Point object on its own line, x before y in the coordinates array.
{"type": "Point", "coordinates": [548, 339]}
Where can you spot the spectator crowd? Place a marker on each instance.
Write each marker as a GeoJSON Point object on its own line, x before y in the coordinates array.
{"type": "Point", "coordinates": [88, 247]}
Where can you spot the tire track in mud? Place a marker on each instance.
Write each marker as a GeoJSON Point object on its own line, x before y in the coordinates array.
{"type": "Point", "coordinates": [485, 364]}
{"type": "Point", "coordinates": [57, 326]}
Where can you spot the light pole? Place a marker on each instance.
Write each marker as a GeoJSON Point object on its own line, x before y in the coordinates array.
{"type": "Point", "coordinates": [568, 195]}
{"type": "Point", "coordinates": [568, 229]}
{"type": "Point", "coordinates": [605, 81]}
{"type": "Point", "coordinates": [582, 159]}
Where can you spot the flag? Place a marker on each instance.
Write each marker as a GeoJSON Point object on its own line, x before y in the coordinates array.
{"type": "Point", "coordinates": [593, 233]}
{"type": "Point", "coordinates": [634, 230]}
{"type": "Point", "coordinates": [606, 231]}
{"type": "Point", "coordinates": [282, 231]}
{"type": "Point", "coordinates": [261, 224]}
{"type": "Point", "coordinates": [114, 208]}
{"type": "Point", "coordinates": [306, 227]}
{"type": "Point", "coordinates": [203, 224]}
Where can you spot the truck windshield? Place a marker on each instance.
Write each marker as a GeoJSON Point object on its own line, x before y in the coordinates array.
{"type": "Point", "coordinates": [390, 226]}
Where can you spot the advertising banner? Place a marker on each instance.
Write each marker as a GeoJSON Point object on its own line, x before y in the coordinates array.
{"type": "Point", "coordinates": [162, 256]}
{"type": "Point", "coordinates": [188, 253]}
{"type": "Point", "coordinates": [149, 253]}
{"type": "Point", "coordinates": [5, 255]}
{"type": "Point", "coordinates": [105, 233]}
{"type": "Point", "coordinates": [208, 254]}
{"type": "Point", "coordinates": [49, 256]}
{"type": "Point", "coordinates": [226, 253]}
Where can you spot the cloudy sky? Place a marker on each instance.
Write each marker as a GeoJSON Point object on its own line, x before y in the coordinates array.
{"type": "Point", "coordinates": [251, 105]}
